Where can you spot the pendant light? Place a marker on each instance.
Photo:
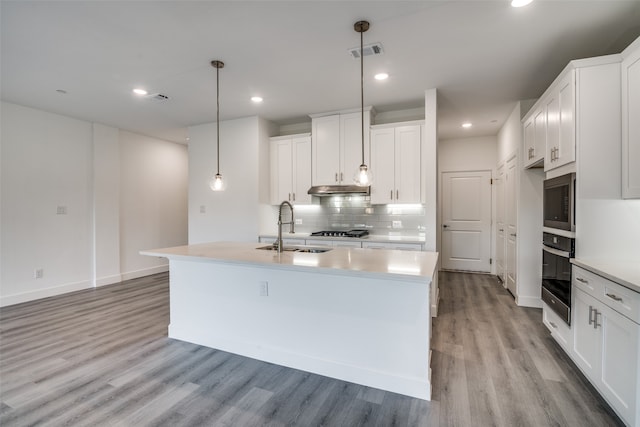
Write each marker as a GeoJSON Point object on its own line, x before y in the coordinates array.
{"type": "Point", "coordinates": [363, 176]}
{"type": "Point", "coordinates": [216, 182]}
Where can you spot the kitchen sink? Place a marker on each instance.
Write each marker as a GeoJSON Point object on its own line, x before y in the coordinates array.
{"type": "Point", "coordinates": [302, 249]}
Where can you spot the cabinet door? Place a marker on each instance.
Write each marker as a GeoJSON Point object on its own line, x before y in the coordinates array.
{"type": "Point", "coordinates": [566, 100]}
{"type": "Point", "coordinates": [351, 145]}
{"type": "Point", "coordinates": [407, 164]}
{"type": "Point", "coordinates": [326, 150]}
{"type": "Point", "coordinates": [281, 177]}
{"type": "Point", "coordinates": [560, 124]}
{"type": "Point", "coordinates": [529, 141]}
{"type": "Point", "coordinates": [535, 138]}
{"type": "Point", "coordinates": [301, 152]}
{"type": "Point", "coordinates": [631, 125]}
{"type": "Point", "coordinates": [619, 362]}
{"type": "Point", "coordinates": [382, 165]}
{"type": "Point", "coordinates": [587, 340]}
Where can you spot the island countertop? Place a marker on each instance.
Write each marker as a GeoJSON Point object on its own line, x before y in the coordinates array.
{"type": "Point", "coordinates": [375, 263]}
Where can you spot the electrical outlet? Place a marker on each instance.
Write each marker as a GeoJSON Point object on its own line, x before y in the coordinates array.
{"type": "Point", "coordinates": [203, 209]}
{"type": "Point", "coordinates": [264, 289]}
{"type": "Point", "coordinates": [38, 273]}
{"type": "Point", "coordinates": [396, 224]}
{"type": "Point", "coordinates": [298, 221]}
{"type": "Point", "coordinates": [62, 210]}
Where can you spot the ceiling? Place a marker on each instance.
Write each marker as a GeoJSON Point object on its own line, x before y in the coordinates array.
{"type": "Point", "coordinates": [482, 56]}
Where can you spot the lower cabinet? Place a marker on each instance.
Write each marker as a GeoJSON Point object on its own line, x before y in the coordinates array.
{"type": "Point", "coordinates": [393, 245]}
{"type": "Point", "coordinates": [560, 331]}
{"type": "Point", "coordinates": [606, 344]}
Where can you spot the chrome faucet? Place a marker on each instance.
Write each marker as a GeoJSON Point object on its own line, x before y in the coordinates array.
{"type": "Point", "coordinates": [278, 243]}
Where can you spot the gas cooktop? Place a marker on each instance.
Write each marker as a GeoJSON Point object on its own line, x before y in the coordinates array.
{"type": "Point", "coordinates": [337, 233]}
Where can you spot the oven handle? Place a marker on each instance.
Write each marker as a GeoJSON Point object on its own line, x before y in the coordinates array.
{"type": "Point", "coordinates": [556, 252]}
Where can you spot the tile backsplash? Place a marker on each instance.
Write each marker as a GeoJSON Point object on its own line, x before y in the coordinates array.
{"type": "Point", "coordinates": [356, 212]}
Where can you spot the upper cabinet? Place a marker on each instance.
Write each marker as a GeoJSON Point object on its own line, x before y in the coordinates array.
{"type": "Point", "coordinates": [535, 137]}
{"type": "Point", "coordinates": [631, 122]}
{"type": "Point", "coordinates": [395, 163]}
{"type": "Point", "coordinates": [291, 169]}
{"type": "Point", "coordinates": [337, 146]}
{"type": "Point", "coordinates": [560, 132]}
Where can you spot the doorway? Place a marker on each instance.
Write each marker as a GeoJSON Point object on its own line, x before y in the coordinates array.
{"type": "Point", "coordinates": [466, 221]}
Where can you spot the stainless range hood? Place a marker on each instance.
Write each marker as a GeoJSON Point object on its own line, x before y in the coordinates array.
{"type": "Point", "coordinates": [336, 190]}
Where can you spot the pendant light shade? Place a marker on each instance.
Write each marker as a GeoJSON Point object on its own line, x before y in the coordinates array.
{"type": "Point", "coordinates": [216, 182]}
{"type": "Point", "coordinates": [363, 175]}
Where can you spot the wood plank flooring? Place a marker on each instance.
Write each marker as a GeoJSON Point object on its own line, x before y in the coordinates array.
{"type": "Point", "coordinates": [102, 358]}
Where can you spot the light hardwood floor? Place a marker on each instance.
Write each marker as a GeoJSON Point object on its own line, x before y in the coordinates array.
{"type": "Point", "coordinates": [101, 358]}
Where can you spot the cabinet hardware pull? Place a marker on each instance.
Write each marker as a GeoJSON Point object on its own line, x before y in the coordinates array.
{"type": "Point", "coordinates": [595, 319]}
{"type": "Point", "coordinates": [591, 314]}
{"type": "Point", "coordinates": [614, 297]}
{"type": "Point", "coordinates": [336, 176]}
{"type": "Point", "coordinates": [289, 196]}
{"type": "Point", "coordinates": [397, 194]}
{"type": "Point", "coordinates": [553, 325]}
{"type": "Point", "coordinates": [294, 197]}
{"type": "Point", "coordinates": [502, 229]}
{"type": "Point", "coordinates": [391, 194]}
{"type": "Point", "coordinates": [341, 177]}
{"type": "Point", "coordinates": [512, 234]}
{"type": "Point", "coordinates": [580, 279]}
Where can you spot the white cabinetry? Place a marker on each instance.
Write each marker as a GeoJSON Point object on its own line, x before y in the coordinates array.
{"type": "Point", "coordinates": [337, 146]}
{"type": "Point", "coordinates": [395, 163]}
{"type": "Point", "coordinates": [631, 121]}
{"type": "Point", "coordinates": [290, 169]}
{"type": "Point", "coordinates": [559, 329]}
{"type": "Point", "coordinates": [606, 342]}
{"type": "Point", "coordinates": [535, 138]}
{"type": "Point", "coordinates": [560, 132]}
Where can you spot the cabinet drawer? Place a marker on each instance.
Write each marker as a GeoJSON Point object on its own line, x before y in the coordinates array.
{"type": "Point", "coordinates": [623, 300]}
{"type": "Point", "coordinates": [560, 331]}
{"type": "Point", "coordinates": [397, 246]}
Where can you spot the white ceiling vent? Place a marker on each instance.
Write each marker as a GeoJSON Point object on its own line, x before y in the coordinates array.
{"type": "Point", "coordinates": [367, 50]}
{"type": "Point", "coordinates": [158, 97]}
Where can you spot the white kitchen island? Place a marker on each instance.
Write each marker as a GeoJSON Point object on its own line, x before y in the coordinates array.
{"type": "Point", "coordinates": [359, 315]}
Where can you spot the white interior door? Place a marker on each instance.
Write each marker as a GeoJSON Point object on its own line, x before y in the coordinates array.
{"type": "Point", "coordinates": [500, 226]}
{"type": "Point", "coordinates": [466, 221]}
{"type": "Point", "coordinates": [511, 225]}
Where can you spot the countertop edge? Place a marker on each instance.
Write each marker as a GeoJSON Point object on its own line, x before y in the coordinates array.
{"type": "Point", "coordinates": [625, 274]}
{"type": "Point", "coordinates": [422, 279]}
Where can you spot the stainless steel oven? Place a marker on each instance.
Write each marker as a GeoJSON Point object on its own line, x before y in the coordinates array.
{"type": "Point", "coordinates": [556, 273]}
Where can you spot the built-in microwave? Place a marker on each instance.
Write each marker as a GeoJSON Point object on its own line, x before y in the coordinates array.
{"type": "Point", "coordinates": [559, 200]}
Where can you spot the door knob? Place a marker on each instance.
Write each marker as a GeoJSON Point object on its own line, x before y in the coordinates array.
{"type": "Point", "coordinates": [445, 226]}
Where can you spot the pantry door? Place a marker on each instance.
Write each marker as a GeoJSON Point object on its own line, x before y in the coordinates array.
{"type": "Point", "coordinates": [466, 221]}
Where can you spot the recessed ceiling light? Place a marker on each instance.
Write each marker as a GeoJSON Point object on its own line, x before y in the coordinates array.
{"type": "Point", "coordinates": [256, 99]}
{"type": "Point", "coordinates": [62, 91]}
{"type": "Point", "coordinates": [520, 3]}
{"type": "Point", "coordinates": [466, 125]}
{"type": "Point", "coordinates": [139, 91]}
{"type": "Point", "coordinates": [381, 76]}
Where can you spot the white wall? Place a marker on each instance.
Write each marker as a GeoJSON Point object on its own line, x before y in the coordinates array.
{"type": "Point", "coordinates": [430, 168]}
{"type": "Point", "coordinates": [153, 201]}
{"type": "Point", "coordinates": [467, 154]}
{"type": "Point", "coordinates": [234, 214]}
{"type": "Point", "coordinates": [51, 161]}
{"type": "Point", "coordinates": [46, 163]}
{"type": "Point", "coordinates": [106, 221]}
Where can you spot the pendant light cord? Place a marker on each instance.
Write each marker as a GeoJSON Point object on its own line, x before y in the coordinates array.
{"type": "Point", "coordinates": [218, 116]}
{"type": "Point", "coordinates": [362, 91]}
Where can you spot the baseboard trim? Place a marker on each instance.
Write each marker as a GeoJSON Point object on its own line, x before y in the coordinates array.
{"type": "Point", "coordinates": [44, 293]}
{"type": "Point", "coordinates": [145, 272]}
{"type": "Point", "coordinates": [108, 280]}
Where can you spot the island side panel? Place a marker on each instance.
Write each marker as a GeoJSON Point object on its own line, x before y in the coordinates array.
{"type": "Point", "coordinates": [373, 332]}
